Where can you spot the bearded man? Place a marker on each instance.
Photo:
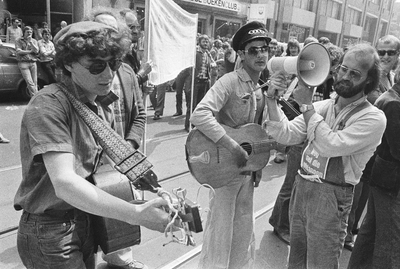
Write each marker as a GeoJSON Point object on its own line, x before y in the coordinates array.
{"type": "Point", "coordinates": [339, 135]}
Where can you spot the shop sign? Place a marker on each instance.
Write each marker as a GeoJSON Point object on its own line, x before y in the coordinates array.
{"type": "Point", "coordinates": [261, 12]}
{"type": "Point", "coordinates": [223, 4]}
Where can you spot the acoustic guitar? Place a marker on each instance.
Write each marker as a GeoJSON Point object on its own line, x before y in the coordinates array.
{"type": "Point", "coordinates": [212, 164]}
{"type": "Point", "coordinates": [112, 234]}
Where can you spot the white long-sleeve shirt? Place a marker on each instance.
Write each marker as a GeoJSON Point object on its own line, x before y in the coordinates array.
{"type": "Point", "coordinates": [356, 143]}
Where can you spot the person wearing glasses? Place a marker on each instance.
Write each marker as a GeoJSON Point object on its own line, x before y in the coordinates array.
{"type": "Point", "coordinates": [59, 153]}
{"type": "Point", "coordinates": [141, 69]}
{"type": "Point", "coordinates": [378, 241]}
{"type": "Point", "coordinates": [340, 136]}
{"type": "Point", "coordinates": [234, 100]}
{"type": "Point", "coordinates": [388, 48]}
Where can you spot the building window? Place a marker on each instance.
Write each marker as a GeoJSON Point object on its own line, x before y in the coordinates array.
{"type": "Point", "coordinates": [331, 9]}
{"type": "Point", "coordinates": [370, 24]}
{"type": "Point", "coordinates": [302, 4]}
{"type": "Point", "coordinates": [383, 29]}
{"type": "Point", "coordinates": [353, 17]}
{"type": "Point", "coordinates": [225, 28]}
{"type": "Point", "coordinates": [140, 13]}
{"type": "Point", "coordinates": [200, 26]}
{"type": "Point", "coordinates": [389, 4]}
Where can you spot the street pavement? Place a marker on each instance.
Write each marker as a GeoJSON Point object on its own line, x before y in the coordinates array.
{"type": "Point", "coordinates": [165, 150]}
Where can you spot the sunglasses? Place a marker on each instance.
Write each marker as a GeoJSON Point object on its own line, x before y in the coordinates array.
{"type": "Point", "coordinates": [389, 52]}
{"type": "Point", "coordinates": [98, 66]}
{"type": "Point", "coordinates": [355, 75]}
{"type": "Point", "coordinates": [255, 50]}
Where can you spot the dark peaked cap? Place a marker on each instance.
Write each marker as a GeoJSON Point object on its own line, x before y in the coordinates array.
{"type": "Point", "coordinates": [250, 31]}
{"type": "Point", "coordinates": [79, 28]}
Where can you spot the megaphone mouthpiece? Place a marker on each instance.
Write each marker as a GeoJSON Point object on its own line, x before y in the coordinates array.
{"type": "Point", "coordinates": [306, 65]}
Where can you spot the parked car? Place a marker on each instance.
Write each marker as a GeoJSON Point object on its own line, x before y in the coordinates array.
{"type": "Point", "coordinates": [11, 79]}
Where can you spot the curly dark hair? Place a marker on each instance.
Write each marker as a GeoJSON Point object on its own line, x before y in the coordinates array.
{"type": "Point", "coordinates": [102, 43]}
{"type": "Point", "coordinates": [335, 53]}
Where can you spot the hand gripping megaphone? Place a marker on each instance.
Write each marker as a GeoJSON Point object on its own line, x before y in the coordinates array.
{"type": "Point", "coordinates": [312, 65]}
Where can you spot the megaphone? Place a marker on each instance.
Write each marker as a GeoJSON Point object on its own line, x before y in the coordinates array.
{"type": "Point", "coordinates": [311, 66]}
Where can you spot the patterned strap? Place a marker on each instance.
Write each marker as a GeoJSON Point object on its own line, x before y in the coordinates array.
{"type": "Point", "coordinates": [128, 160]}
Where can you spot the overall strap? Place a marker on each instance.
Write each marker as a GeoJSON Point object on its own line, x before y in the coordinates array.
{"type": "Point", "coordinates": [335, 172]}
{"type": "Point", "coordinates": [335, 168]}
{"type": "Point", "coordinates": [358, 108]}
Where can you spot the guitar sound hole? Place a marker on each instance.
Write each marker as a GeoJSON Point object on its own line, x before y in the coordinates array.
{"type": "Point", "coordinates": [247, 147]}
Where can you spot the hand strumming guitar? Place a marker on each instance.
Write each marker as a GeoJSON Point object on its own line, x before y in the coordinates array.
{"type": "Point", "coordinates": [238, 153]}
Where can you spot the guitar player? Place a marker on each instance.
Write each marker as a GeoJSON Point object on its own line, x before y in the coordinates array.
{"type": "Point", "coordinates": [233, 100]}
{"type": "Point", "coordinates": [59, 152]}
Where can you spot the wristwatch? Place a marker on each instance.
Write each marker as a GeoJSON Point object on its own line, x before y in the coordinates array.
{"type": "Point", "coordinates": [305, 108]}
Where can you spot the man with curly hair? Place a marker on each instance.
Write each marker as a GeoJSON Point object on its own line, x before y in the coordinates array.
{"type": "Point", "coordinates": [59, 154]}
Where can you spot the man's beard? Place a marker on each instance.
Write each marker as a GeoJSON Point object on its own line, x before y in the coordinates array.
{"type": "Point", "coordinates": [346, 88]}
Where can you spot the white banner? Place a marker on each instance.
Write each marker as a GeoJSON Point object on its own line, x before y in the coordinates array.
{"type": "Point", "coordinates": [171, 40]}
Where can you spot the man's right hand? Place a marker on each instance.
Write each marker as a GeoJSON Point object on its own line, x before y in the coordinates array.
{"type": "Point", "coordinates": [240, 156]}
{"type": "Point", "coordinates": [238, 153]}
{"type": "Point", "coordinates": [152, 215]}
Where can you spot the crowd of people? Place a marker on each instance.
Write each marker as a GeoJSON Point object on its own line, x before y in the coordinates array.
{"type": "Point", "coordinates": [33, 46]}
{"type": "Point", "coordinates": [339, 142]}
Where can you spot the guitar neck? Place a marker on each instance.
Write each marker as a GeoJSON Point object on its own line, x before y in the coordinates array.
{"type": "Point", "coordinates": [288, 106]}
{"type": "Point", "coordinates": [259, 147]}
{"type": "Point", "coordinates": [281, 101]}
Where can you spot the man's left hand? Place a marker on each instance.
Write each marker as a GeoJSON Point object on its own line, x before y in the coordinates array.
{"type": "Point", "coordinates": [303, 94]}
{"type": "Point", "coordinates": [146, 68]}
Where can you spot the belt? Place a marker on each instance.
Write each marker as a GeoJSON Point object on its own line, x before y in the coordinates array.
{"type": "Point", "coordinates": [62, 214]}
{"type": "Point", "coordinates": [303, 173]}
{"type": "Point", "coordinates": [52, 214]}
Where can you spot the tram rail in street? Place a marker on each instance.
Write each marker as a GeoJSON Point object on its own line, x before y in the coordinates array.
{"type": "Point", "coordinates": [150, 140]}
{"type": "Point", "coordinates": [14, 228]}
{"type": "Point", "coordinates": [196, 251]}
